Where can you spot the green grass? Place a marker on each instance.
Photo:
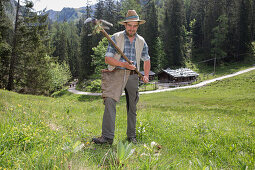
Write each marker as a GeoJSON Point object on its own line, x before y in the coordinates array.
{"type": "Point", "coordinates": [148, 87]}
{"type": "Point", "coordinates": [207, 72]}
{"type": "Point", "coordinates": [207, 127]}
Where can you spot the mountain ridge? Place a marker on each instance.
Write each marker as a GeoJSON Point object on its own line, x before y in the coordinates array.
{"type": "Point", "coordinates": [67, 14]}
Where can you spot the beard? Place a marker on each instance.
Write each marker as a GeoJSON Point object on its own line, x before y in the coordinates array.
{"type": "Point", "coordinates": [130, 33]}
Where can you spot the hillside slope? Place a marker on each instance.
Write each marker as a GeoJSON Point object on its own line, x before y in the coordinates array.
{"type": "Point", "coordinates": [211, 126]}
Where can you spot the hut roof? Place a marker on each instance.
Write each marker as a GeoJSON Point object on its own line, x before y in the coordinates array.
{"type": "Point", "coordinates": [181, 72]}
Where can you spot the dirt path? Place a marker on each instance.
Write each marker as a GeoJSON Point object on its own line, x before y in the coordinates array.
{"type": "Point", "coordinates": [72, 89]}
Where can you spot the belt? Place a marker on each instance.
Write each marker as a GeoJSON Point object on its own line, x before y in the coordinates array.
{"type": "Point", "coordinates": [132, 72]}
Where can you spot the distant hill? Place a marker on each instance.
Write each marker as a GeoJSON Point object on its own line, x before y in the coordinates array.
{"type": "Point", "coordinates": [66, 14]}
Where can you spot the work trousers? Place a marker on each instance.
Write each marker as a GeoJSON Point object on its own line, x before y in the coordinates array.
{"type": "Point", "coordinates": [132, 97]}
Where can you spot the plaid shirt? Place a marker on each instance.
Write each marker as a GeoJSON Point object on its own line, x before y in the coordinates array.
{"type": "Point", "coordinates": [129, 50]}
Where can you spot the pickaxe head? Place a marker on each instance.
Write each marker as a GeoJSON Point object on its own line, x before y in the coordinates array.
{"type": "Point", "coordinates": [98, 24]}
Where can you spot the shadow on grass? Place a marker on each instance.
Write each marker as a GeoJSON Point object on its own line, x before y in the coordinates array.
{"type": "Point", "coordinates": [101, 155]}
{"type": "Point", "coordinates": [86, 98]}
{"type": "Point", "coordinates": [82, 98]}
{"type": "Point", "coordinates": [61, 93]}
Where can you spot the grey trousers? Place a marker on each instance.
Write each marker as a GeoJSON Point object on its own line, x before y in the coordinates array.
{"type": "Point", "coordinates": [132, 97]}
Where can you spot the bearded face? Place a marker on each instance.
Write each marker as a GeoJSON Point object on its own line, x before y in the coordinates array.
{"type": "Point", "coordinates": [131, 28]}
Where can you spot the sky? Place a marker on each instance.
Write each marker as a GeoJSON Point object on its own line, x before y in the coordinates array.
{"type": "Point", "coordinates": [58, 5]}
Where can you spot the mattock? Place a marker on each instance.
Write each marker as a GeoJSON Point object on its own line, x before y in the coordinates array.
{"type": "Point", "coordinates": [100, 26]}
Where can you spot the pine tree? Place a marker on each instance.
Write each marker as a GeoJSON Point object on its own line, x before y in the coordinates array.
{"type": "Point", "coordinates": [118, 17]}
{"type": "Point", "coordinates": [73, 45]}
{"type": "Point", "coordinates": [110, 15]}
{"type": "Point", "coordinates": [165, 38]}
{"type": "Point", "coordinates": [59, 41]}
{"type": "Point", "coordinates": [219, 39]}
{"type": "Point", "coordinates": [174, 22]}
{"type": "Point", "coordinates": [87, 43]}
{"type": "Point", "coordinates": [30, 70]}
{"type": "Point", "coordinates": [232, 38]}
{"type": "Point", "coordinates": [5, 47]}
{"type": "Point", "coordinates": [161, 56]}
{"type": "Point", "coordinates": [150, 31]}
{"type": "Point", "coordinates": [99, 9]}
{"type": "Point", "coordinates": [198, 40]}
{"type": "Point", "coordinates": [244, 41]}
{"type": "Point", "coordinates": [13, 58]}
{"type": "Point", "coordinates": [32, 74]}
{"type": "Point", "coordinates": [128, 5]}
{"type": "Point", "coordinates": [253, 20]}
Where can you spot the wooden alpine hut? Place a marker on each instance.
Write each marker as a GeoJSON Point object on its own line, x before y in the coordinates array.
{"type": "Point", "coordinates": [182, 75]}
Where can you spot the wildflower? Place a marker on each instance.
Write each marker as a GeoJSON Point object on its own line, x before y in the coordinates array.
{"type": "Point", "coordinates": [146, 147]}
{"type": "Point", "coordinates": [144, 154]}
{"type": "Point", "coordinates": [153, 144]}
{"type": "Point", "coordinates": [19, 105]}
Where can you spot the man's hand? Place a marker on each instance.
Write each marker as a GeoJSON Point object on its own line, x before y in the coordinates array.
{"type": "Point", "coordinates": [128, 66]}
{"type": "Point", "coordinates": [145, 79]}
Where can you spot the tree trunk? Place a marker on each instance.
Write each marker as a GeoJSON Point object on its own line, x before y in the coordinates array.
{"type": "Point", "coordinates": [10, 85]}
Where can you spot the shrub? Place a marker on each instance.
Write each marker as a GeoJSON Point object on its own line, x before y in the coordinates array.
{"type": "Point", "coordinates": [60, 75]}
{"type": "Point", "coordinates": [90, 85]}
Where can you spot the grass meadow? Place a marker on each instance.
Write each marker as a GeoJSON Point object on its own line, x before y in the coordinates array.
{"type": "Point", "coordinates": [212, 127]}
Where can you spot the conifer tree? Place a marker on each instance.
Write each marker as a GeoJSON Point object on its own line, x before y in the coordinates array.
{"type": "Point", "coordinates": [244, 40]}
{"type": "Point", "coordinates": [173, 29]}
{"type": "Point", "coordinates": [5, 47]}
{"type": "Point", "coordinates": [30, 70]}
{"type": "Point", "coordinates": [87, 43]}
{"type": "Point", "coordinates": [150, 31]}
{"type": "Point", "coordinates": [219, 38]}
{"type": "Point", "coordinates": [99, 9]}
{"type": "Point", "coordinates": [118, 17]}
{"type": "Point", "coordinates": [13, 58]}
{"type": "Point", "coordinates": [33, 64]}
{"type": "Point", "coordinates": [73, 46]}
{"type": "Point", "coordinates": [110, 15]}
{"type": "Point", "coordinates": [59, 41]}
{"type": "Point", "coordinates": [130, 4]}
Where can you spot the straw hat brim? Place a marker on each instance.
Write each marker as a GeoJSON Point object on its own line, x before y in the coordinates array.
{"type": "Point", "coordinates": [140, 22]}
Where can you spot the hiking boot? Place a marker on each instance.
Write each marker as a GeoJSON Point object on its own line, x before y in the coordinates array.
{"type": "Point", "coordinates": [102, 140]}
{"type": "Point", "coordinates": [133, 140]}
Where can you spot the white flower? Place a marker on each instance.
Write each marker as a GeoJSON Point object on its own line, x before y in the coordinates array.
{"type": "Point", "coordinates": [153, 144]}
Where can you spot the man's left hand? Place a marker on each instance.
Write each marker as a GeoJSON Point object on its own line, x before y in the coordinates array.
{"type": "Point", "coordinates": [145, 79]}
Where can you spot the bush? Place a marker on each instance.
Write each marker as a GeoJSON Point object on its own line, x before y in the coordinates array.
{"type": "Point", "coordinates": [60, 74]}
{"type": "Point", "coordinates": [90, 85]}
{"type": "Point", "coordinates": [95, 86]}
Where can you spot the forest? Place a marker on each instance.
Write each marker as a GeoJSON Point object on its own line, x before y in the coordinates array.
{"type": "Point", "coordinates": [38, 56]}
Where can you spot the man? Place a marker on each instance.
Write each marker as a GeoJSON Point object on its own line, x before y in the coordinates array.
{"type": "Point", "coordinates": [122, 76]}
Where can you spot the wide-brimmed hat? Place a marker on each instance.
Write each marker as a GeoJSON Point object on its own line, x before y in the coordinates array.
{"type": "Point", "coordinates": [132, 16]}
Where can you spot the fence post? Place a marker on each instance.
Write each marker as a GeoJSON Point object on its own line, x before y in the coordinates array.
{"type": "Point", "coordinates": [214, 64]}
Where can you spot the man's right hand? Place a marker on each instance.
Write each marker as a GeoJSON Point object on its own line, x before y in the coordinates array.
{"type": "Point", "coordinates": [145, 79]}
{"type": "Point", "coordinates": [128, 66]}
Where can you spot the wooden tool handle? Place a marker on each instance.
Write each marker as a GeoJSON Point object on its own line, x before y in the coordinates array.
{"type": "Point", "coordinates": [119, 51]}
